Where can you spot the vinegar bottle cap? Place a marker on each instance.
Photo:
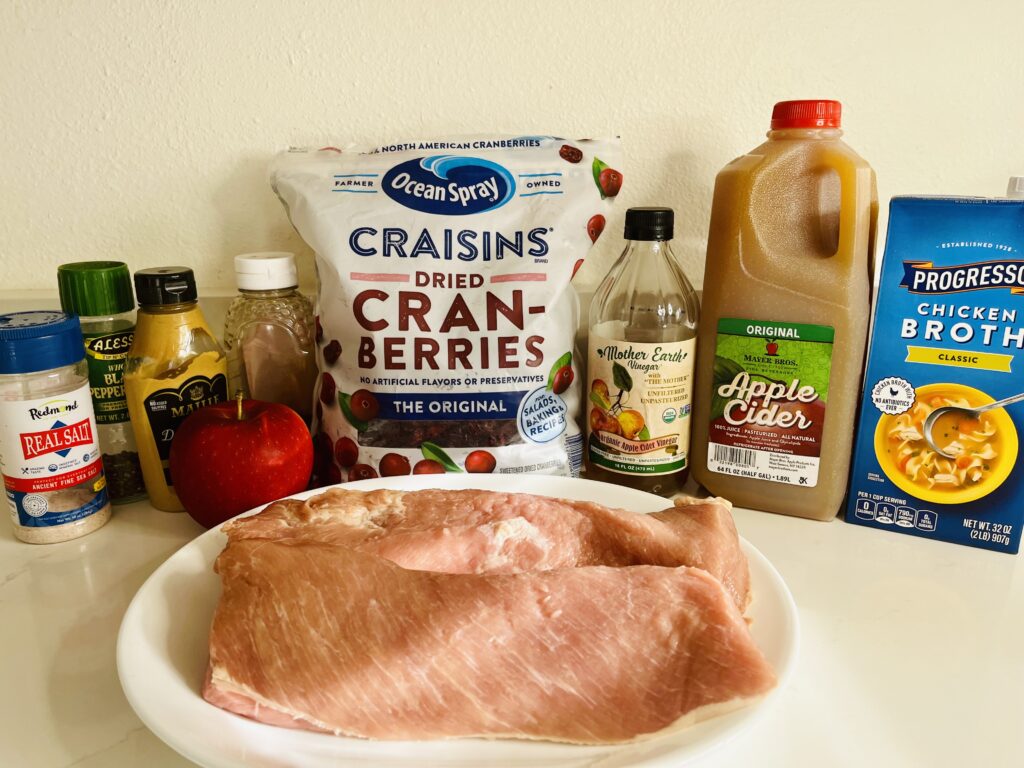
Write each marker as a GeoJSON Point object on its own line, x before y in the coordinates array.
{"type": "Point", "coordinates": [649, 224]}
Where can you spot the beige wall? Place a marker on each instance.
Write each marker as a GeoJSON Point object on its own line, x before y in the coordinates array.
{"type": "Point", "coordinates": [141, 131]}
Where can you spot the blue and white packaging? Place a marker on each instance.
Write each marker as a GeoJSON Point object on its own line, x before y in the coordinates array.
{"type": "Point", "coordinates": [446, 315]}
{"type": "Point", "coordinates": [948, 340]}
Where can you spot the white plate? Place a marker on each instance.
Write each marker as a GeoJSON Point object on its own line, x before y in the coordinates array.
{"type": "Point", "coordinates": [162, 656]}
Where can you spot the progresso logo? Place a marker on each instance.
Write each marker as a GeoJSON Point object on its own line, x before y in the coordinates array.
{"type": "Point", "coordinates": [449, 185]}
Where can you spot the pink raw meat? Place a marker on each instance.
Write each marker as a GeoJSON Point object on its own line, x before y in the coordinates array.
{"type": "Point", "coordinates": [329, 638]}
{"type": "Point", "coordinates": [474, 531]}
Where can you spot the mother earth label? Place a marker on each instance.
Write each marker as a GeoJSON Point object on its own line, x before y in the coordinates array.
{"type": "Point", "coordinates": [639, 393]}
{"type": "Point", "coordinates": [769, 390]}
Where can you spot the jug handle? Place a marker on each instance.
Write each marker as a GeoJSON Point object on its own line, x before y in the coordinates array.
{"type": "Point", "coordinates": [847, 170]}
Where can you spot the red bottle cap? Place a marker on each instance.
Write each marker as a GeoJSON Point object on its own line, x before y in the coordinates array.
{"type": "Point", "coordinates": [807, 113]}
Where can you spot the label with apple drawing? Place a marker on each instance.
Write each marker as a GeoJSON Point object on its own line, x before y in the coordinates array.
{"type": "Point", "coordinates": [639, 398]}
{"type": "Point", "coordinates": [769, 391]}
{"type": "Point", "coordinates": [167, 408]}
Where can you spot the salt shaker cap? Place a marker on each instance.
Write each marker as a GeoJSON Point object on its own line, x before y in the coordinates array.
{"type": "Point", "coordinates": [266, 271]}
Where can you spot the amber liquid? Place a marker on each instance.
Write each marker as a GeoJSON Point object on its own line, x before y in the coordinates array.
{"type": "Point", "coordinates": [791, 240]}
{"type": "Point", "coordinates": [645, 298]}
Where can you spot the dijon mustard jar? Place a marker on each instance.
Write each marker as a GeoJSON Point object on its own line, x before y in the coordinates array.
{"type": "Point", "coordinates": [175, 366]}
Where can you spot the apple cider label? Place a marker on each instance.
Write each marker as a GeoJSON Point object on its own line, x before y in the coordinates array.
{"type": "Point", "coordinates": [769, 390]}
{"type": "Point", "coordinates": [167, 408]}
{"type": "Point", "coordinates": [639, 405]}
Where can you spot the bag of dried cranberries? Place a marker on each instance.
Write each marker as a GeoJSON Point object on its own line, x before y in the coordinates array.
{"type": "Point", "coordinates": [445, 315]}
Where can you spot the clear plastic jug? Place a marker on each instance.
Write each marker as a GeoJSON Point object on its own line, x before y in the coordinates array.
{"type": "Point", "coordinates": [787, 291]}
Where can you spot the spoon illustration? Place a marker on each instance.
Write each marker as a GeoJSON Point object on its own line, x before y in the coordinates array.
{"type": "Point", "coordinates": [971, 413]}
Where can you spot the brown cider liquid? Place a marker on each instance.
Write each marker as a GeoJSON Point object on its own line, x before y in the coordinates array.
{"type": "Point", "coordinates": [791, 240]}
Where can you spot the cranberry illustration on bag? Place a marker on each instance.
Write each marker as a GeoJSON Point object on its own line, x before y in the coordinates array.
{"type": "Point", "coordinates": [445, 298]}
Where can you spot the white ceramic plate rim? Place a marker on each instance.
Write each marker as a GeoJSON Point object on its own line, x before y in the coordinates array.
{"type": "Point", "coordinates": [168, 701]}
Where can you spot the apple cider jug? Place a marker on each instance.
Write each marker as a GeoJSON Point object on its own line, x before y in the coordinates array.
{"type": "Point", "coordinates": [785, 312]}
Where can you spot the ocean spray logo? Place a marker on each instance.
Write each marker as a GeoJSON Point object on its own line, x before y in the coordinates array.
{"type": "Point", "coordinates": [925, 277]}
{"type": "Point", "coordinates": [449, 185]}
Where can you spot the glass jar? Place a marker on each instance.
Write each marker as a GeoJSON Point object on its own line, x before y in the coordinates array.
{"type": "Point", "coordinates": [175, 366]}
{"type": "Point", "coordinates": [49, 454]}
{"type": "Point", "coordinates": [269, 334]}
{"type": "Point", "coordinates": [100, 293]}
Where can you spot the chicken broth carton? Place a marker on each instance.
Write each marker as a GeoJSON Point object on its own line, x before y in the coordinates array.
{"type": "Point", "coordinates": [937, 444]}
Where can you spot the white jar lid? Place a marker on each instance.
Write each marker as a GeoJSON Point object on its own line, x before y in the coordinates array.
{"type": "Point", "coordinates": [266, 271]}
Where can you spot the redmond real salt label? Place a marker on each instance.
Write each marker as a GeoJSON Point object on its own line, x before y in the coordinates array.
{"type": "Point", "coordinates": [769, 395]}
{"type": "Point", "coordinates": [51, 463]}
{"type": "Point", "coordinates": [639, 398]}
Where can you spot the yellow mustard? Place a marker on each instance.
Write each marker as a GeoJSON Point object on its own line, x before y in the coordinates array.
{"type": "Point", "coordinates": [175, 366]}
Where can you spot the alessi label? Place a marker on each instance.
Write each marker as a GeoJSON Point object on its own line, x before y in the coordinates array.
{"type": "Point", "coordinates": [105, 354]}
{"type": "Point", "coordinates": [768, 399]}
{"type": "Point", "coordinates": [50, 459]}
{"type": "Point", "coordinates": [639, 405]}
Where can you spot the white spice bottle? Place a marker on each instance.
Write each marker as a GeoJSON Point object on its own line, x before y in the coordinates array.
{"type": "Point", "coordinates": [49, 455]}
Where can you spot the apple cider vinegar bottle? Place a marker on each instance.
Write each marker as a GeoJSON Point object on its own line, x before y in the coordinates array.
{"type": "Point", "coordinates": [643, 328]}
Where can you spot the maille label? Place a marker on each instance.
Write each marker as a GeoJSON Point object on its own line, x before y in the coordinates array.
{"type": "Point", "coordinates": [167, 408]}
{"type": "Point", "coordinates": [106, 355]}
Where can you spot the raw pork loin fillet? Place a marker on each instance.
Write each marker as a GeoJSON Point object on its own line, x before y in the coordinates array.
{"type": "Point", "coordinates": [328, 638]}
{"type": "Point", "coordinates": [473, 531]}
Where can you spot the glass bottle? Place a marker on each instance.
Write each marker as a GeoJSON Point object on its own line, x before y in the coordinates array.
{"type": "Point", "coordinates": [643, 327]}
{"type": "Point", "coordinates": [269, 334]}
{"type": "Point", "coordinates": [100, 293]}
{"type": "Point", "coordinates": [175, 366]}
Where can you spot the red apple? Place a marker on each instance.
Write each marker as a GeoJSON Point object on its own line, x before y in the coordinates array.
{"type": "Point", "coordinates": [233, 456]}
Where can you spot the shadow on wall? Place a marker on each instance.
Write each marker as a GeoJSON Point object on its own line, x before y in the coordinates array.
{"type": "Point", "coordinates": [251, 218]}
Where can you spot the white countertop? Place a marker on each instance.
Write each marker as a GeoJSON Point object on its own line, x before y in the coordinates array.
{"type": "Point", "coordinates": [912, 651]}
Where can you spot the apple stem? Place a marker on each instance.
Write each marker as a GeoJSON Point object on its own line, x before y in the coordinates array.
{"type": "Point", "coordinates": [238, 399]}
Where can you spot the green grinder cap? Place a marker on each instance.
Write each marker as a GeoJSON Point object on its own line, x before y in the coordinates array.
{"type": "Point", "coordinates": [95, 288]}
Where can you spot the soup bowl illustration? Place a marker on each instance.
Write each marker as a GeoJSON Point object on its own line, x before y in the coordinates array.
{"type": "Point", "coordinates": [1002, 444]}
